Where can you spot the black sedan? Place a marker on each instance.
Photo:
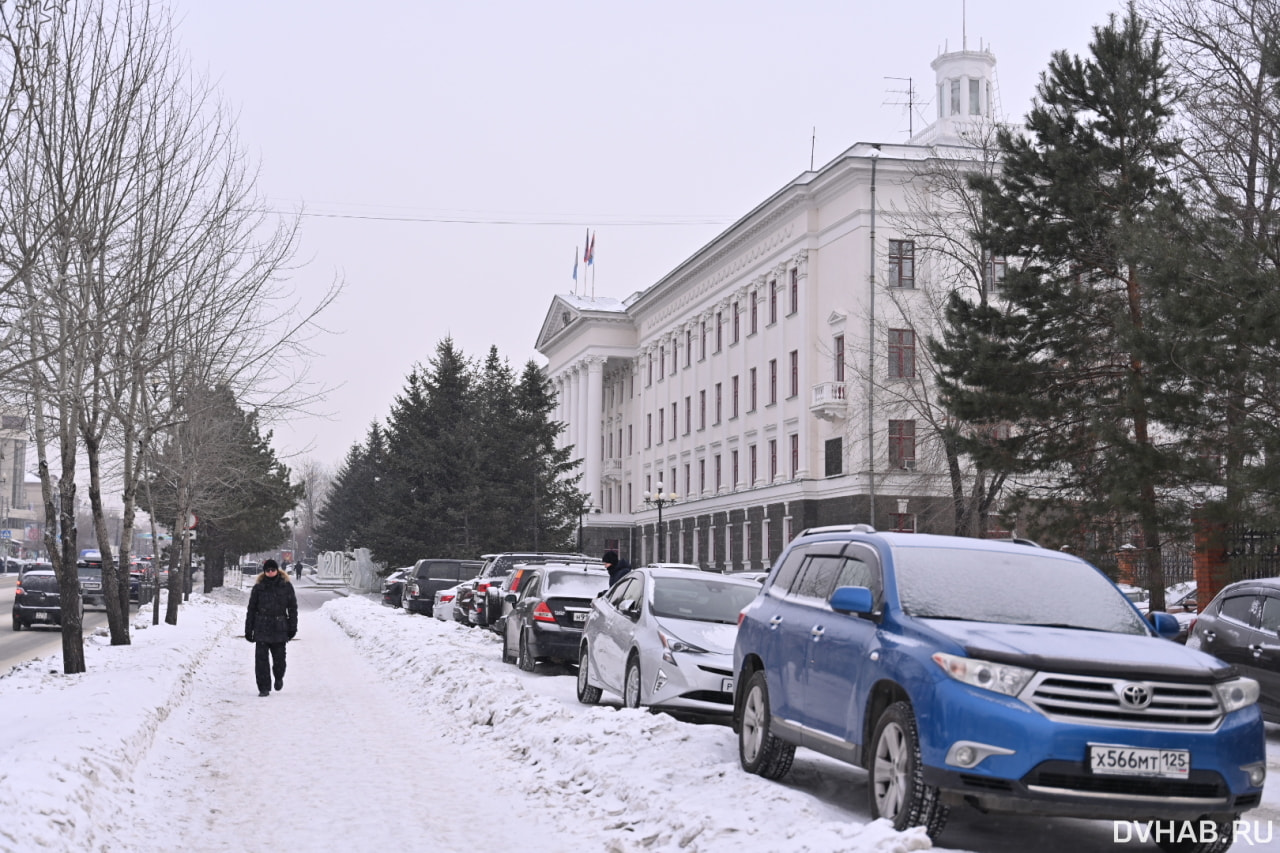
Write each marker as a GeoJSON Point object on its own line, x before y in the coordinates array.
{"type": "Point", "coordinates": [547, 615]}
{"type": "Point", "coordinates": [393, 588]}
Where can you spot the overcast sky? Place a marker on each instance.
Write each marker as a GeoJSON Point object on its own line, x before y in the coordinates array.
{"type": "Point", "coordinates": [450, 156]}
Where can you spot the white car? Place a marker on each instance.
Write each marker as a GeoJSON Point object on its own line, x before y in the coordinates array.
{"type": "Point", "coordinates": [442, 604]}
{"type": "Point", "coordinates": [664, 637]}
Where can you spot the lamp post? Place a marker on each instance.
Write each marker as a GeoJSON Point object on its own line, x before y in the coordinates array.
{"type": "Point", "coordinates": [661, 499]}
{"type": "Point", "coordinates": [584, 508]}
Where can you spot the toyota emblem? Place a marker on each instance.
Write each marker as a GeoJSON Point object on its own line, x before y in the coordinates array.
{"type": "Point", "coordinates": [1136, 696]}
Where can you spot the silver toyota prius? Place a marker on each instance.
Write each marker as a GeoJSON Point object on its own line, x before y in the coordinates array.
{"type": "Point", "coordinates": [663, 637]}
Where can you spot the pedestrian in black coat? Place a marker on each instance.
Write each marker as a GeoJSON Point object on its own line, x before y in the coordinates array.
{"type": "Point", "coordinates": [617, 568]}
{"type": "Point", "coordinates": [272, 621]}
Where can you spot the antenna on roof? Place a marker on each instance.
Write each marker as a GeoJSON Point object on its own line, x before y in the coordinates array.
{"type": "Point", "coordinates": [910, 93]}
{"type": "Point", "coordinates": [813, 144]}
{"type": "Point", "coordinates": [964, 25]}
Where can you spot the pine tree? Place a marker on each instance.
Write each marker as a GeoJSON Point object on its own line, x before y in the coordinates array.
{"type": "Point", "coordinates": [353, 509]}
{"type": "Point", "coordinates": [1084, 202]}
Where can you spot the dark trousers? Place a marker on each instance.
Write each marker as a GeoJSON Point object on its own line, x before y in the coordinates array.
{"type": "Point", "coordinates": [264, 668]}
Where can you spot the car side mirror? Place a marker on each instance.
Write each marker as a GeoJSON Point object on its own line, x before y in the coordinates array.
{"type": "Point", "coordinates": [852, 599]}
{"type": "Point", "coordinates": [511, 598]}
{"type": "Point", "coordinates": [1165, 624]}
{"type": "Point", "coordinates": [631, 609]}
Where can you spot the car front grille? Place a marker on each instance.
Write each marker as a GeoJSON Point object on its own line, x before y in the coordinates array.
{"type": "Point", "coordinates": [1107, 702]}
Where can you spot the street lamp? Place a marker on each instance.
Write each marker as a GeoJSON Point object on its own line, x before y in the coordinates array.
{"type": "Point", "coordinates": [660, 500]}
{"type": "Point", "coordinates": [584, 507]}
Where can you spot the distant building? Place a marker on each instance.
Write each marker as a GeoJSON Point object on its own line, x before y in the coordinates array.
{"type": "Point", "coordinates": [739, 381]}
{"type": "Point", "coordinates": [18, 512]}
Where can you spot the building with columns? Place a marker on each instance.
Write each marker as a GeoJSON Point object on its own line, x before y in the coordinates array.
{"type": "Point", "coordinates": [749, 381]}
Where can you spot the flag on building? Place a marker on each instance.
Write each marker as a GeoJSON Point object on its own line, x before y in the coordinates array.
{"type": "Point", "coordinates": [591, 251]}
{"type": "Point", "coordinates": [575, 263]}
{"type": "Point", "coordinates": [586, 248]}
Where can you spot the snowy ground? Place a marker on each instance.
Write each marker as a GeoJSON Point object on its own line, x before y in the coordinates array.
{"type": "Point", "coordinates": [403, 732]}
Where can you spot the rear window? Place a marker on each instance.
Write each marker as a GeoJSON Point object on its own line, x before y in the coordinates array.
{"type": "Point", "coordinates": [571, 584]}
{"type": "Point", "coordinates": [40, 583]}
{"type": "Point", "coordinates": [90, 572]}
{"type": "Point", "coordinates": [443, 571]}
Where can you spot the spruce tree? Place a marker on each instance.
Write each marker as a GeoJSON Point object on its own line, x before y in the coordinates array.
{"type": "Point", "coordinates": [1066, 359]}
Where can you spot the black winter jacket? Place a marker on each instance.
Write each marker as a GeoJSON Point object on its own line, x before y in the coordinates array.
{"type": "Point", "coordinates": [273, 610]}
{"type": "Point", "coordinates": [618, 570]}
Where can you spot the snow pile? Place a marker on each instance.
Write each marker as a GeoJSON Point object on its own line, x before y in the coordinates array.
{"type": "Point", "coordinates": [626, 774]}
{"type": "Point", "coordinates": [69, 741]}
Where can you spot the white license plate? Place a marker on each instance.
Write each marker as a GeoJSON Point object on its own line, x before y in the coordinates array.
{"type": "Point", "coordinates": [1133, 761]}
{"type": "Point", "coordinates": [579, 616]}
{"type": "Point", "coordinates": [93, 586]}
{"type": "Point", "coordinates": [726, 685]}
{"type": "Point", "coordinates": [42, 616]}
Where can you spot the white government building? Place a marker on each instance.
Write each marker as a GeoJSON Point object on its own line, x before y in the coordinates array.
{"type": "Point", "coordinates": [739, 382]}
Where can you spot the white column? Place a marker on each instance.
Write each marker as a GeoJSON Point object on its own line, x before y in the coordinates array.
{"type": "Point", "coordinates": [594, 437]}
{"type": "Point", "coordinates": [571, 408]}
{"type": "Point", "coordinates": [584, 423]}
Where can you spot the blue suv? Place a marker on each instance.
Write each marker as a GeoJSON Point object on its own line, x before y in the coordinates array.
{"type": "Point", "coordinates": [1003, 675]}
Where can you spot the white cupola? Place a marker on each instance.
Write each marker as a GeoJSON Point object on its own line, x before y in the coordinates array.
{"type": "Point", "coordinates": [966, 96]}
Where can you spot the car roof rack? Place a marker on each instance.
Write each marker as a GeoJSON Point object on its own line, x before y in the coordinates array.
{"type": "Point", "coordinates": [839, 528]}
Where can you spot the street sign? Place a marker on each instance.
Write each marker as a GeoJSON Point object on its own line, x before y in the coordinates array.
{"type": "Point", "coordinates": [6, 534]}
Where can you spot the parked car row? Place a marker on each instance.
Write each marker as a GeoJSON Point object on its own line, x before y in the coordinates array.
{"type": "Point", "coordinates": [999, 674]}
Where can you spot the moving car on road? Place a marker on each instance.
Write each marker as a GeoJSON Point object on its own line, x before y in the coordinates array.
{"type": "Point", "coordinates": [36, 600]}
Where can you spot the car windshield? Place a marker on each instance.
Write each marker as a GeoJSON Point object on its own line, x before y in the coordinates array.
{"type": "Point", "coordinates": [701, 599]}
{"type": "Point", "coordinates": [1013, 588]}
{"type": "Point", "coordinates": [574, 584]}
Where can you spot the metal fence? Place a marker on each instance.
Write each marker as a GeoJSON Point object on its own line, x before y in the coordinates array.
{"type": "Point", "coordinates": [1252, 553]}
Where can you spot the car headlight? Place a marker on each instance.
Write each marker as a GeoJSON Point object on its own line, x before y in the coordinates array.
{"type": "Point", "coordinates": [999, 677]}
{"type": "Point", "coordinates": [671, 645]}
{"type": "Point", "coordinates": [1237, 693]}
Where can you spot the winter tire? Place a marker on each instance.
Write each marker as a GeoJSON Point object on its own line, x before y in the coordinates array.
{"type": "Point", "coordinates": [631, 686]}
{"type": "Point", "coordinates": [1180, 839]}
{"type": "Point", "coordinates": [896, 790]}
{"type": "Point", "coordinates": [759, 751]}
{"type": "Point", "coordinates": [587, 694]}
{"type": "Point", "coordinates": [17, 624]}
{"type": "Point", "coordinates": [506, 651]}
{"type": "Point", "coordinates": [527, 662]}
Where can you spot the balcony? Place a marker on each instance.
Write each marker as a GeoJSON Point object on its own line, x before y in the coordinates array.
{"type": "Point", "coordinates": [829, 401]}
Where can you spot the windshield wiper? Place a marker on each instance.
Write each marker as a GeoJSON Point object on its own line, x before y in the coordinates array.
{"type": "Point", "coordinates": [1058, 625]}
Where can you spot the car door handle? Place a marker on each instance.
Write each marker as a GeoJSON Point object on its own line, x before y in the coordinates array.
{"type": "Point", "coordinates": [1210, 636]}
{"type": "Point", "coordinates": [816, 632]}
{"type": "Point", "coordinates": [1256, 648]}
{"type": "Point", "coordinates": [775, 622]}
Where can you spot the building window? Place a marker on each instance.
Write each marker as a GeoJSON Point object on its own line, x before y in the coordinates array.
{"type": "Point", "coordinates": [997, 267]}
{"type": "Point", "coordinates": [688, 347]}
{"type": "Point", "coordinates": [834, 448]}
{"type": "Point", "coordinates": [687, 481]}
{"type": "Point", "coordinates": [661, 424]}
{"type": "Point", "coordinates": [733, 469]}
{"type": "Point", "coordinates": [719, 403]}
{"type": "Point", "coordinates": [702, 409]}
{"type": "Point", "coordinates": [902, 354]}
{"type": "Point", "coordinates": [719, 472]}
{"type": "Point", "coordinates": [733, 397]}
{"type": "Point", "coordinates": [630, 437]}
{"type": "Point", "coordinates": [838, 346]}
{"type": "Point", "coordinates": [773, 459]}
{"type": "Point", "coordinates": [755, 313]}
{"type": "Point", "coordinates": [736, 336]}
{"type": "Point", "coordinates": [662, 362]}
{"type": "Point", "coordinates": [673, 428]}
{"type": "Point", "coordinates": [688, 417]}
{"type": "Point", "coordinates": [773, 302]}
{"type": "Point", "coordinates": [702, 475]}
{"type": "Point", "coordinates": [794, 358]}
{"type": "Point", "coordinates": [773, 381]}
{"type": "Point", "coordinates": [902, 263]}
{"type": "Point", "coordinates": [902, 444]}
{"type": "Point", "coordinates": [752, 465]}
{"type": "Point", "coordinates": [649, 379]}
{"type": "Point", "coordinates": [648, 430]}
{"type": "Point", "coordinates": [955, 96]}
{"type": "Point", "coordinates": [975, 98]}
{"type": "Point", "coordinates": [752, 391]}
{"type": "Point", "coordinates": [795, 454]}
{"type": "Point", "coordinates": [719, 330]}
{"type": "Point", "coordinates": [795, 292]}
{"type": "Point", "coordinates": [702, 346]}
{"type": "Point", "coordinates": [902, 522]}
